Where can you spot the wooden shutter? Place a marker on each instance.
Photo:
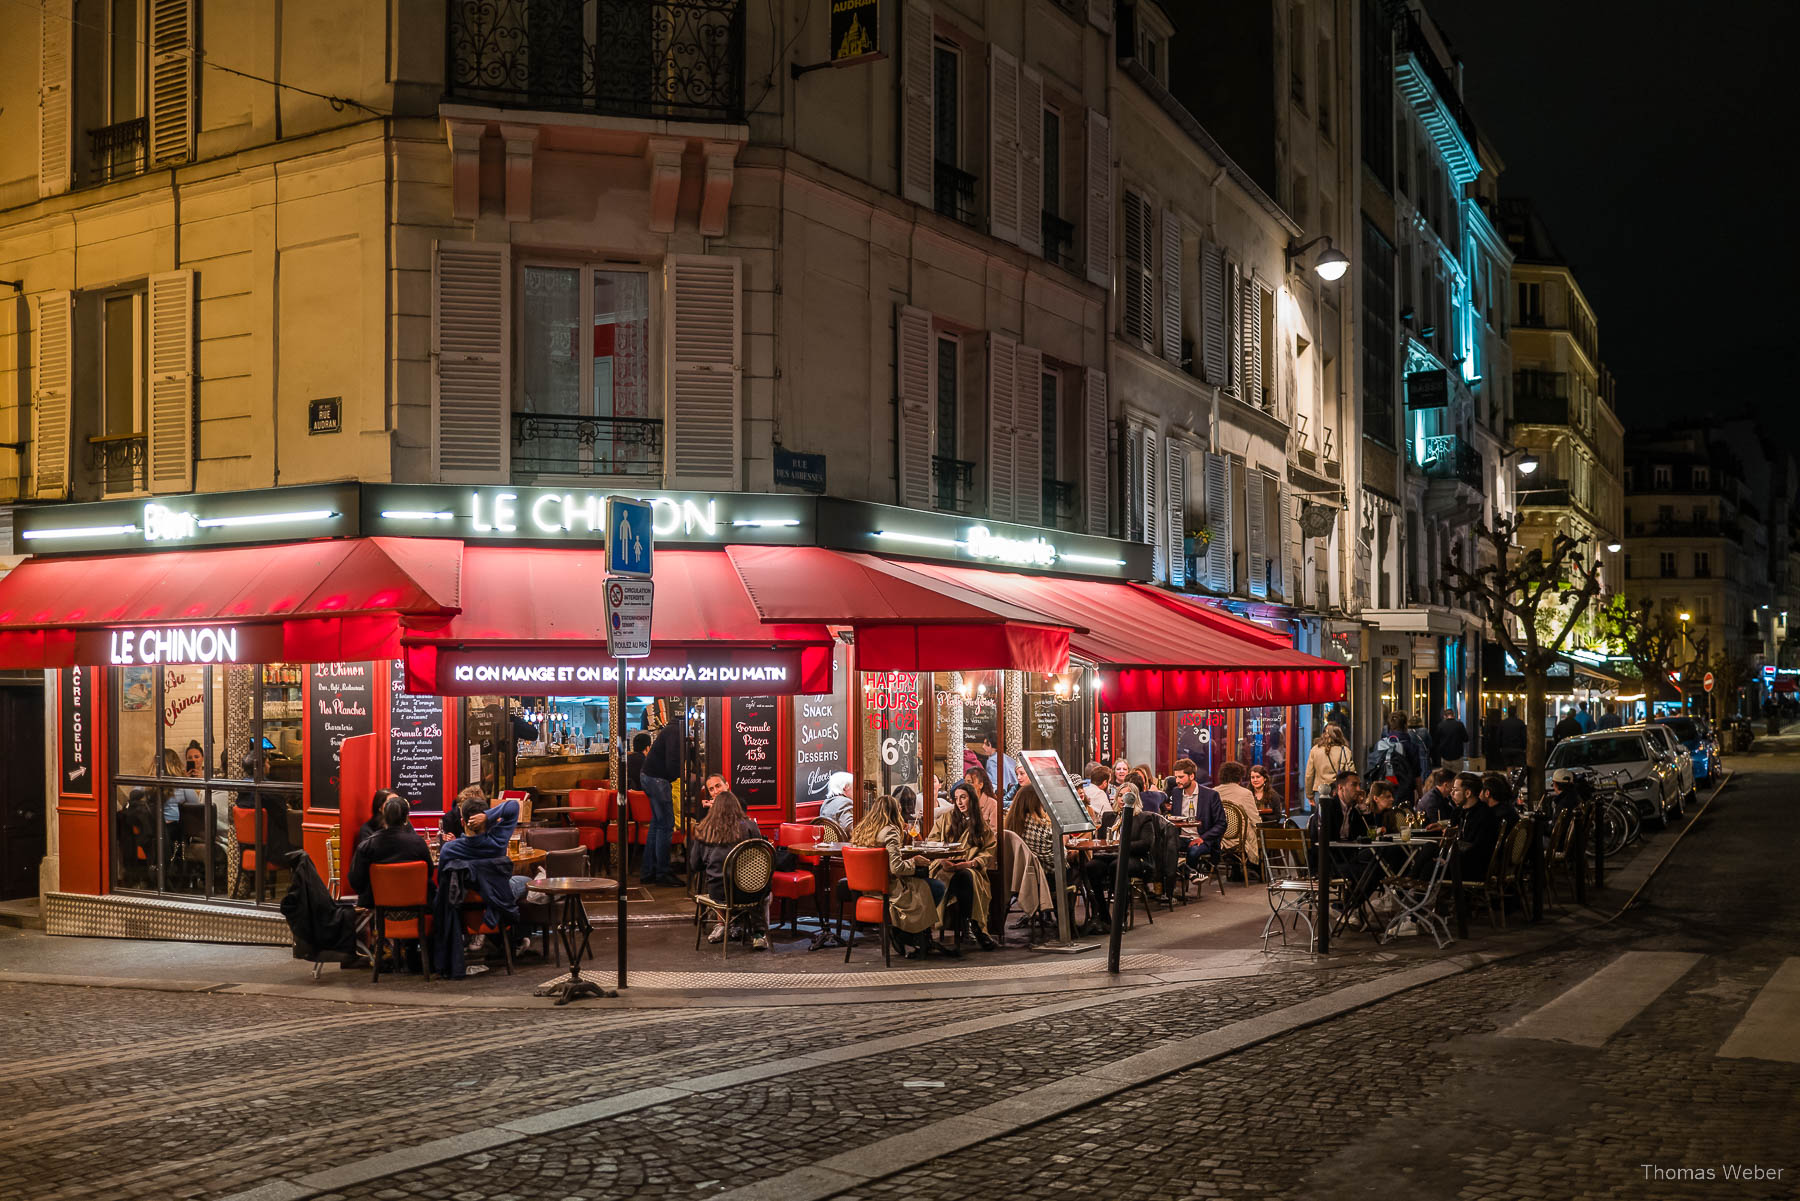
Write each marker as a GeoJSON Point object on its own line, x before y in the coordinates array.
{"type": "Point", "coordinates": [1095, 423]}
{"type": "Point", "coordinates": [1215, 341]}
{"type": "Point", "coordinates": [1134, 485]}
{"type": "Point", "coordinates": [1031, 161]}
{"type": "Point", "coordinates": [1296, 549]}
{"type": "Point", "coordinates": [1099, 199]}
{"type": "Point", "coordinates": [52, 380]}
{"type": "Point", "coordinates": [1003, 424]}
{"type": "Point", "coordinates": [917, 104]}
{"type": "Point", "coordinates": [1175, 526]}
{"type": "Point", "coordinates": [1171, 287]}
{"type": "Point", "coordinates": [171, 363]}
{"type": "Point", "coordinates": [172, 70]}
{"type": "Point", "coordinates": [916, 435]}
{"type": "Point", "coordinates": [1028, 440]}
{"type": "Point", "coordinates": [1256, 533]}
{"type": "Point", "coordinates": [471, 344]}
{"type": "Point", "coordinates": [1100, 14]}
{"type": "Point", "coordinates": [1278, 542]}
{"type": "Point", "coordinates": [1138, 303]}
{"type": "Point", "coordinates": [1003, 145]}
{"type": "Point", "coordinates": [1253, 330]}
{"type": "Point", "coordinates": [1154, 519]}
{"type": "Point", "coordinates": [1234, 328]}
{"type": "Point", "coordinates": [705, 422]}
{"type": "Point", "coordinates": [1218, 520]}
{"type": "Point", "coordinates": [56, 127]}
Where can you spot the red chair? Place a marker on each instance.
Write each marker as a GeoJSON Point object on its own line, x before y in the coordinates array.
{"type": "Point", "coordinates": [794, 887]}
{"type": "Point", "coordinates": [866, 875]}
{"type": "Point", "coordinates": [595, 812]}
{"type": "Point", "coordinates": [637, 804]}
{"type": "Point", "coordinates": [594, 784]}
{"type": "Point", "coordinates": [400, 888]}
{"type": "Point", "coordinates": [474, 919]}
{"type": "Point", "coordinates": [249, 852]}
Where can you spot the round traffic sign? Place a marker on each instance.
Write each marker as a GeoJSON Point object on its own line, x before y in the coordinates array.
{"type": "Point", "coordinates": [616, 594]}
{"type": "Point", "coordinates": [1707, 682]}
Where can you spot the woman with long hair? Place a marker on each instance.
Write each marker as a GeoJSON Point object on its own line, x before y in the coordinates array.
{"type": "Point", "coordinates": [912, 898]}
{"type": "Point", "coordinates": [723, 828]}
{"type": "Point", "coordinates": [965, 875]}
{"type": "Point", "coordinates": [1266, 791]}
{"type": "Point", "coordinates": [1030, 822]}
{"type": "Point", "coordinates": [1329, 756]}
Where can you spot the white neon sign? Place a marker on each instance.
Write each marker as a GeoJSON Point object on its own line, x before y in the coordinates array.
{"type": "Point", "coordinates": [553, 513]}
{"type": "Point", "coordinates": [597, 673]}
{"type": "Point", "coordinates": [979, 542]}
{"type": "Point", "coordinates": [182, 644]}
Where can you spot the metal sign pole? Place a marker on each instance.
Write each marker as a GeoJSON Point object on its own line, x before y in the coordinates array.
{"type": "Point", "coordinates": [623, 804]}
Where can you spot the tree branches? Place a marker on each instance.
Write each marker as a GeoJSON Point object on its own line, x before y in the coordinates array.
{"type": "Point", "coordinates": [1532, 600]}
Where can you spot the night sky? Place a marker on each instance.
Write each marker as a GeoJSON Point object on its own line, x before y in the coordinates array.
{"type": "Point", "coordinates": [1653, 139]}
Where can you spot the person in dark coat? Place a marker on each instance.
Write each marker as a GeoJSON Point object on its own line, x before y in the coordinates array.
{"type": "Point", "coordinates": [324, 931]}
{"type": "Point", "coordinates": [1450, 740]}
{"type": "Point", "coordinates": [634, 762]}
{"type": "Point", "coordinates": [395, 841]}
{"type": "Point", "coordinates": [1567, 727]}
{"type": "Point", "coordinates": [1436, 805]}
{"type": "Point", "coordinates": [1205, 806]}
{"type": "Point", "coordinates": [661, 768]}
{"type": "Point", "coordinates": [1511, 738]}
{"type": "Point", "coordinates": [712, 841]}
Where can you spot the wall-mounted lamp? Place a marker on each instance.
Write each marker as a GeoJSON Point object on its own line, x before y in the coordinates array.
{"type": "Point", "coordinates": [1528, 464]}
{"type": "Point", "coordinates": [1331, 264]}
{"type": "Point", "coordinates": [1616, 547]}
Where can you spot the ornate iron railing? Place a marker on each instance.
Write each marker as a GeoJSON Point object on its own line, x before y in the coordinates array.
{"type": "Point", "coordinates": [1059, 241]}
{"type": "Point", "coordinates": [119, 461]}
{"type": "Point", "coordinates": [955, 483]}
{"type": "Point", "coordinates": [954, 193]}
{"type": "Point", "coordinates": [546, 444]}
{"type": "Point", "coordinates": [680, 59]}
{"type": "Point", "coordinates": [1448, 457]}
{"type": "Point", "coordinates": [119, 151]}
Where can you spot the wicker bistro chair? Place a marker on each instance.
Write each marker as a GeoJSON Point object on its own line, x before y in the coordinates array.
{"type": "Point", "coordinates": [1491, 888]}
{"type": "Point", "coordinates": [748, 870]}
{"type": "Point", "coordinates": [1234, 833]}
{"type": "Point", "coordinates": [1557, 855]}
{"type": "Point", "coordinates": [1292, 887]}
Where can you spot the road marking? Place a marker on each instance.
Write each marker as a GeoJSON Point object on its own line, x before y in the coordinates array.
{"type": "Point", "coordinates": [1597, 1008]}
{"type": "Point", "coordinates": [1771, 1027]}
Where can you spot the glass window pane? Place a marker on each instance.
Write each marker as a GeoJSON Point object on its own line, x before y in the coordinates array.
{"type": "Point", "coordinates": [124, 70]}
{"type": "Point", "coordinates": [551, 368]}
{"type": "Point", "coordinates": [119, 329]}
{"type": "Point", "coordinates": [890, 721]}
{"type": "Point", "coordinates": [135, 724]}
{"type": "Point", "coordinates": [622, 374]}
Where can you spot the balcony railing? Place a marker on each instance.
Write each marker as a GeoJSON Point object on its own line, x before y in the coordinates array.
{"type": "Point", "coordinates": [1059, 241]}
{"type": "Point", "coordinates": [681, 59]}
{"type": "Point", "coordinates": [118, 461]}
{"type": "Point", "coordinates": [1448, 457]}
{"type": "Point", "coordinates": [954, 193]}
{"type": "Point", "coordinates": [1545, 492]}
{"type": "Point", "coordinates": [1541, 397]}
{"type": "Point", "coordinates": [1059, 502]}
{"type": "Point", "coordinates": [556, 444]}
{"type": "Point", "coordinates": [955, 483]}
{"type": "Point", "coordinates": [119, 151]}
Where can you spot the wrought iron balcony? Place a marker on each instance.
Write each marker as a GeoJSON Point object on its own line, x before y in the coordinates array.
{"type": "Point", "coordinates": [1541, 397]}
{"type": "Point", "coordinates": [119, 461]}
{"type": "Point", "coordinates": [557, 444]}
{"type": "Point", "coordinates": [119, 151]}
{"type": "Point", "coordinates": [1547, 492]}
{"type": "Point", "coordinates": [955, 482]}
{"type": "Point", "coordinates": [954, 193]}
{"type": "Point", "coordinates": [1059, 241]}
{"type": "Point", "coordinates": [679, 59]}
{"type": "Point", "coordinates": [1448, 457]}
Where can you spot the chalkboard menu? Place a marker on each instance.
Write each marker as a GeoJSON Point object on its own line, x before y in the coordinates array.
{"type": "Point", "coordinates": [821, 738]}
{"type": "Point", "coordinates": [78, 730]}
{"type": "Point", "coordinates": [415, 743]}
{"type": "Point", "coordinates": [340, 704]}
{"type": "Point", "coordinates": [752, 766]}
{"type": "Point", "coordinates": [1046, 772]}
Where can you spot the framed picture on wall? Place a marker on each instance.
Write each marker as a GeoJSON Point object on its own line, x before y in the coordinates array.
{"type": "Point", "coordinates": [137, 688]}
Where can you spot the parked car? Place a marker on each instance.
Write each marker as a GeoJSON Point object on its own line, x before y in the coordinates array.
{"type": "Point", "coordinates": [1652, 776]}
{"type": "Point", "coordinates": [1697, 735]}
{"type": "Point", "coordinates": [1684, 764]}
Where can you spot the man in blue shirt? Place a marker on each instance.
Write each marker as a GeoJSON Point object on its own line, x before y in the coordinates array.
{"type": "Point", "coordinates": [1584, 719]}
{"type": "Point", "coordinates": [1610, 719]}
{"type": "Point", "coordinates": [486, 833]}
{"type": "Point", "coordinates": [1000, 771]}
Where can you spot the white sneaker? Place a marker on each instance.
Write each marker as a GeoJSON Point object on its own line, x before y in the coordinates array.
{"type": "Point", "coordinates": [760, 943]}
{"type": "Point", "coordinates": [475, 969]}
{"type": "Point", "coordinates": [718, 933]}
{"type": "Point", "coordinates": [523, 947]}
{"type": "Point", "coordinates": [1407, 929]}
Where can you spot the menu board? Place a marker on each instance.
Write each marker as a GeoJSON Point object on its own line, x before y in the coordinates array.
{"type": "Point", "coordinates": [752, 765]}
{"type": "Point", "coordinates": [78, 731]}
{"type": "Point", "coordinates": [415, 743]}
{"type": "Point", "coordinates": [1046, 772]}
{"type": "Point", "coordinates": [340, 704]}
{"type": "Point", "coordinates": [821, 740]}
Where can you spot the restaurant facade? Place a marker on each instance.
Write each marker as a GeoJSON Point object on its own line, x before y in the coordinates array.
{"type": "Point", "coordinates": [211, 654]}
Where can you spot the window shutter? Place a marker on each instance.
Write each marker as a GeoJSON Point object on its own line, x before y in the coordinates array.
{"type": "Point", "coordinates": [171, 80]}
{"type": "Point", "coordinates": [1003, 145]}
{"type": "Point", "coordinates": [1234, 327]}
{"type": "Point", "coordinates": [1099, 199]}
{"type": "Point", "coordinates": [1153, 519]}
{"type": "Point", "coordinates": [1171, 287]}
{"type": "Point", "coordinates": [1218, 520]}
{"type": "Point", "coordinates": [704, 419]}
{"type": "Point", "coordinates": [1278, 542]}
{"type": "Point", "coordinates": [56, 144]}
{"type": "Point", "coordinates": [1134, 485]}
{"type": "Point", "coordinates": [471, 397]}
{"type": "Point", "coordinates": [1256, 534]}
{"type": "Point", "coordinates": [1215, 340]}
{"type": "Point", "coordinates": [917, 386]}
{"type": "Point", "coordinates": [1031, 161]}
{"type": "Point", "coordinates": [1095, 423]}
{"type": "Point", "coordinates": [918, 105]}
{"type": "Point", "coordinates": [1028, 439]}
{"type": "Point", "coordinates": [1138, 309]}
{"type": "Point", "coordinates": [52, 371]}
{"type": "Point", "coordinates": [1253, 329]}
{"type": "Point", "coordinates": [171, 355]}
{"type": "Point", "coordinates": [1296, 549]}
{"type": "Point", "coordinates": [1176, 524]}
{"type": "Point", "coordinates": [1003, 423]}
{"type": "Point", "coordinates": [1100, 15]}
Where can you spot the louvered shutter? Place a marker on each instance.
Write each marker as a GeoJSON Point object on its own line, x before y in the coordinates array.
{"type": "Point", "coordinates": [1216, 342]}
{"type": "Point", "coordinates": [1218, 521]}
{"type": "Point", "coordinates": [917, 387]}
{"type": "Point", "coordinates": [1154, 520]}
{"type": "Point", "coordinates": [917, 104]}
{"type": "Point", "coordinates": [1031, 161]}
{"type": "Point", "coordinates": [1095, 423]}
{"type": "Point", "coordinates": [1175, 526]}
{"type": "Point", "coordinates": [1253, 328]}
{"type": "Point", "coordinates": [1234, 328]}
{"type": "Point", "coordinates": [52, 378]}
{"type": "Point", "coordinates": [1137, 306]}
{"type": "Point", "coordinates": [471, 397]}
{"type": "Point", "coordinates": [172, 71]}
{"type": "Point", "coordinates": [1278, 543]}
{"type": "Point", "coordinates": [1003, 145]}
{"type": "Point", "coordinates": [1003, 423]}
{"type": "Point", "coordinates": [171, 366]}
{"type": "Point", "coordinates": [1171, 287]}
{"type": "Point", "coordinates": [1256, 533]}
{"type": "Point", "coordinates": [56, 145]}
{"type": "Point", "coordinates": [705, 421]}
{"type": "Point", "coordinates": [1296, 550]}
{"type": "Point", "coordinates": [1099, 199]}
{"type": "Point", "coordinates": [1100, 14]}
{"type": "Point", "coordinates": [1028, 439]}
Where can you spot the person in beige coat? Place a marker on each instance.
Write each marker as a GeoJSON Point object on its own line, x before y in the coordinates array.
{"type": "Point", "coordinates": [1232, 791]}
{"type": "Point", "coordinates": [911, 910]}
{"type": "Point", "coordinates": [965, 874]}
{"type": "Point", "coordinates": [1330, 755]}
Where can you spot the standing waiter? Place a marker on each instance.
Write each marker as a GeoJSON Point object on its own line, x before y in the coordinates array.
{"type": "Point", "coordinates": [662, 767]}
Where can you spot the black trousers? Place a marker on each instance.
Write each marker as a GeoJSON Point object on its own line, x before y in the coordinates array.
{"type": "Point", "coordinates": [959, 900]}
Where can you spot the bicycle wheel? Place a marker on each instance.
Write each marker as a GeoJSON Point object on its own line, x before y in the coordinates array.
{"type": "Point", "coordinates": [1625, 813]}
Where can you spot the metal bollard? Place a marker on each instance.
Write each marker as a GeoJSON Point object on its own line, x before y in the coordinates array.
{"type": "Point", "coordinates": [1121, 905]}
{"type": "Point", "coordinates": [1322, 839]}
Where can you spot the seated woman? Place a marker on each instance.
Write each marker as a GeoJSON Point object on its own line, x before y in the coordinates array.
{"type": "Point", "coordinates": [1150, 832]}
{"type": "Point", "coordinates": [912, 898]}
{"type": "Point", "coordinates": [1030, 822]}
{"type": "Point", "coordinates": [965, 876]}
{"type": "Point", "coordinates": [723, 828]}
{"type": "Point", "coordinates": [1151, 799]}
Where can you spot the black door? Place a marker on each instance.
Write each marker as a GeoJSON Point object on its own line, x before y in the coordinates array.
{"type": "Point", "coordinates": [21, 790]}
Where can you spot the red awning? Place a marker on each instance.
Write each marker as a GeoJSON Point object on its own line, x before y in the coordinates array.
{"type": "Point", "coordinates": [1160, 652]}
{"type": "Point", "coordinates": [903, 621]}
{"type": "Point", "coordinates": [327, 601]}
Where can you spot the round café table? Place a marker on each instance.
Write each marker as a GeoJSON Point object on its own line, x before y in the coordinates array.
{"type": "Point", "coordinates": [828, 935]}
{"type": "Point", "coordinates": [573, 930]}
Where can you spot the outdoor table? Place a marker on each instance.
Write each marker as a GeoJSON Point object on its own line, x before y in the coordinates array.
{"type": "Point", "coordinates": [828, 935]}
{"type": "Point", "coordinates": [1376, 862]}
{"type": "Point", "coordinates": [573, 930]}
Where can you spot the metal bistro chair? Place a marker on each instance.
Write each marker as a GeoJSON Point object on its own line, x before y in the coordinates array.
{"type": "Point", "coordinates": [398, 895]}
{"type": "Point", "coordinates": [1419, 896]}
{"type": "Point", "coordinates": [1293, 889]}
{"type": "Point", "coordinates": [748, 869]}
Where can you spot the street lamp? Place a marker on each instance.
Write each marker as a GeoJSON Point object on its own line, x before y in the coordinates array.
{"type": "Point", "coordinates": [1332, 262]}
{"type": "Point", "coordinates": [1615, 547]}
{"type": "Point", "coordinates": [1685, 643]}
{"type": "Point", "coordinates": [1528, 464]}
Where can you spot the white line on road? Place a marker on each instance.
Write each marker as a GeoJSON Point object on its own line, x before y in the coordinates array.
{"type": "Point", "coordinates": [1594, 1010]}
{"type": "Point", "coordinates": [1771, 1028]}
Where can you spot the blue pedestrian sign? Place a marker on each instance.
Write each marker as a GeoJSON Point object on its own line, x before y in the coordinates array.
{"type": "Point", "coordinates": [630, 535]}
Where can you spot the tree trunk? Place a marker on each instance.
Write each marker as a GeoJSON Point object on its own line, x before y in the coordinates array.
{"type": "Point", "coordinates": [1534, 734]}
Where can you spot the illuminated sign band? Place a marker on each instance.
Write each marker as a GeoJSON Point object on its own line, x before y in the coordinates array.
{"type": "Point", "coordinates": [979, 542]}
{"type": "Point", "coordinates": [571, 516]}
{"type": "Point", "coordinates": [179, 644]}
{"type": "Point", "coordinates": [700, 671]}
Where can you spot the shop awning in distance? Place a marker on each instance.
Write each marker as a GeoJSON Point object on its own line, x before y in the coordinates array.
{"type": "Point", "coordinates": [304, 602]}
{"type": "Point", "coordinates": [532, 620]}
{"type": "Point", "coordinates": [1156, 651]}
{"type": "Point", "coordinates": [903, 621]}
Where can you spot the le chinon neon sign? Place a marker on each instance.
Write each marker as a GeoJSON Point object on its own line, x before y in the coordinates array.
{"type": "Point", "coordinates": [178, 644]}
{"type": "Point", "coordinates": [552, 513]}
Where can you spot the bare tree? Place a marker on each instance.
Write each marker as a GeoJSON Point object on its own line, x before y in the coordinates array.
{"type": "Point", "coordinates": [1533, 600]}
{"type": "Point", "coordinates": [1652, 642]}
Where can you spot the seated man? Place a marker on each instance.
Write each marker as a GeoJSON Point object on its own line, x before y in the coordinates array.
{"type": "Point", "coordinates": [394, 841]}
{"type": "Point", "coordinates": [1436, 805]}
{"type": "Point", "coordinates": [1205, 806]}
{"type": "Point", "coordinates": [486, 833]}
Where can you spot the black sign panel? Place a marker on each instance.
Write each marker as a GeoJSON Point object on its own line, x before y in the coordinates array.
{"type": "Point", "coordinates": [750, 748]}
{"type": "Point", "coordinates": [796, 470]}
{"type": "Point", "coordinates": [324, 416]}
{"type": "Point", "coordinates": [415, 743]}
{"type": "Point", "coordinates": [340, 704]}
{"type": "Point", "coordinates": [821, 744]}
{"type": "Point", "coordinates": [78, 685]}
{"type": "Point", "coordinates": [855, 30]}
{"type": "Point", "coordinates": [1428, 389]}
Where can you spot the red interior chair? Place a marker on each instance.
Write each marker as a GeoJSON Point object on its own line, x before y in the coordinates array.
{"type": "Point", "coordinates": [399, 889]}
{"type": "Point", "coordinates": [637, 808]}
{"type": "Point", "coordinates": [594, 816]}
{"type": "Point", "coordinates": [249, 851]}
{"type": "Point", "coordinates": [866, 875]}
{"type": "Point", "coordinates": [597, 784]}
{"type": "Point", "coordinates": [474, 919]}
{"type": "Point", "coordinates": [790, 888]}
